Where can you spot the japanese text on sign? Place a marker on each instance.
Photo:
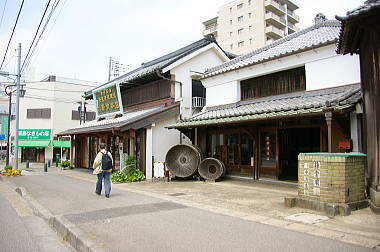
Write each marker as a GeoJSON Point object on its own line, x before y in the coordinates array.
{"type": "Point", "coordinates": [108, 101]}
{"type": "Point", "coordinates": [34, 134]}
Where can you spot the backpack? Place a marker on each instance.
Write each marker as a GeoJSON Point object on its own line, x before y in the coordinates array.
{"type": "Point", "coordinates": [106, 162]}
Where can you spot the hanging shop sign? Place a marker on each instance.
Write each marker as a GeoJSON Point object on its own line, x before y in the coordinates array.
{"type": "Point", "coordinates": [34, 134]}
{"type": "Point", "coordinates": [108, 100]}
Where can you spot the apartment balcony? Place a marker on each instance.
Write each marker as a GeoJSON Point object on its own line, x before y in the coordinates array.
{"type": "Point", "coordinates": [210, 30]}
{"type": "Point", "coordinates": [292, 17]}
{"type": "Point", "coordinates": [274, 32]}
{"type": "Point", "coordinates": [199, 102]}
{"type": "Point", "coordinates": [275, 20]}
{"type": "Point", "coordinates": [292, 28]}
{"type": "Point", "coordinates": [275, 7]}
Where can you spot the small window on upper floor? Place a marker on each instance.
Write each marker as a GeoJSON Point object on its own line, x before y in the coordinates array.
{"type": "Point", "coordinates": [39, 113]}
{"type": "Point", "coordinates": [241, 44]}
{"type": "Point", "coordinates": [250, 15]}
{"type": "Point", "coordinates": [239, 6]}
{"type": "Point", "coordinates": [249, 2]}
{"type": "Point", "coordinates": [250, 27]}
{"type": "Point", "coordinates": [230, 9]}
{"type": "Point", "coordinates": [240, 19]}
{"type": "Point", "coordinates": [230, 21]}
{"type": "Point", "coordinates": [230, 34]}
{"type": "Point", "coordinates": [250, 41]}
{"type": "Point", "coordinates": [240, 31]}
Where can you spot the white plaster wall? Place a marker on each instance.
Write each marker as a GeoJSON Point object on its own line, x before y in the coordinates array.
{"type": "Point", "coordinates": [183, 73]}
{"type": "Point", "coordinates": [223, 94]}
{"type": "Point", "coordinates": [331, 72]}
{"type": "Point", "coordinates": [164, 139]}
{"type": "Point", "coordinates": [324, 68]}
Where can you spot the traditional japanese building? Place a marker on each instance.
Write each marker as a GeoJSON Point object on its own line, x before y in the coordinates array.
{"type": "Point", "coordinates": [265, 107]}
{"type": "Point", "coordinates": [134, 110]}
{"type": "Point", "coordinates": [360, 34]}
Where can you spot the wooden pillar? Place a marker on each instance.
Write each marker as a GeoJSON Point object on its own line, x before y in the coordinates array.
{"type": "Point", "coordinates": [132, 143]}
{"type": "Point", "coordinates": [329, 119]}
{"type": "Point", "coordinates": [72, 146]}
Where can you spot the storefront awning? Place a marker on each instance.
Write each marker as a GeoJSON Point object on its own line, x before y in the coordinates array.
{"type": "Point", "coordinates": [63, 144]}
{"type": "Point", "coordinates": [130, 120]}
{"type": "Point", "coordinates": [34, 143]}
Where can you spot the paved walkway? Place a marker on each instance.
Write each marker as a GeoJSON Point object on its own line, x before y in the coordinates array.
{"type": "Point", "coordinates": [188, 215]}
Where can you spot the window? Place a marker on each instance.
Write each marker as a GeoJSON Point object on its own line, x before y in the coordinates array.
{"type": "Point", "coordinates": [89, 115]}
{"type": "Point", "coordinates": [42, 113]}
{"type": "Point", "coordinates": [239, 6]}
{"type": "Point", "coordinates": [230, 9]}
{"type": "Point", "coordinates": [250, 28]}
{"type": "Point", "coordinates": [240, 31]}
{"type": "Point", "coordinates": [250, 41]}
{"type": "Point", "coordinates": [231, 46]}
{"type": "Point", "coordinates": [240, 19]}
{"type": "Point", "coordinates": [250, 15]}
{"type": "Point", "coordinates": [274, 84]}
{"type": "Point", "coordinates": [241, 44]}
{"type": "Point", "coordinates": [249, 2]}
{"type": "Point", "coordinates": [230, 34]}
{"type": "Point", "coordinates": [230, 21]}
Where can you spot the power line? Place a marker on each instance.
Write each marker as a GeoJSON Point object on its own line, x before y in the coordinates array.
{"type": "Point", "coordinates": [35, 36]}
{"type": "Point", "coordinates": [13, 31]}
{"type": "Point", "coordinates": [51, 99]}
{"type": "Point", "coordinates": [53, 90]}
{"type": "Point", "coordinates": [54, 6]}
{"type": "Point", "coordinates": [2, 15]}
{"type": "Point", "coordinates": [48, 32]}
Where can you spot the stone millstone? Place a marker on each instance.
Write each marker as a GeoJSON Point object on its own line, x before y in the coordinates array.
{"type": "Point", "coordinates": [183, 160]}
{"type": "Point", "coordinates": [211, 169]}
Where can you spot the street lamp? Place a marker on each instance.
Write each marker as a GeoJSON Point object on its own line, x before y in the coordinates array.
{"type": "Point", "coordinates": [22, 94]}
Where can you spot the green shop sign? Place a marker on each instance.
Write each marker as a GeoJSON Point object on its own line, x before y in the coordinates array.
{"type": "Point", "coordinates": [108, 100]}
{"type": "Point", "coordinates": [4, 126]}
{"type": "Point", "coordinates": [34, 134]}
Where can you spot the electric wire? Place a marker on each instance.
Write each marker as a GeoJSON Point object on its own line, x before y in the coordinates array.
{"type": "Point", "coordinates": [35, 35]}
{"type": "Point", "coordinates": [54, 90]}
{"type": "Point", "coordinates": [13, 31]}
{"type": "Point", "coordinates": [54, 6]}
{"type": "Point", "coordinates": [2, 15]}
{"type": "Point", "coordinates": [50, 99]}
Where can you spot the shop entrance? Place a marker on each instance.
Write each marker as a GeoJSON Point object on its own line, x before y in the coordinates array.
{"type": "Point", "coordinates": [33, 154]}
{"type": "Point", "coordinates": [237, 150]}
{"type": "Point", "coordinates": [293, 142]}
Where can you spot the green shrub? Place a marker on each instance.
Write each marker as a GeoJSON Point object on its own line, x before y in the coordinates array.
{"type": "Point", "coordinates": [7, 167]}
{"type": "Point", "coordinates": [118, 177]}
{"type": "Point", "coordinates": [64, 164]}
{"type": "Point", "coordinates": [130, 174]}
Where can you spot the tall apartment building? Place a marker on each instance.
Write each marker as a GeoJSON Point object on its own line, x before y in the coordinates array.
{"type": "Point", "coordinates": [244, 25]}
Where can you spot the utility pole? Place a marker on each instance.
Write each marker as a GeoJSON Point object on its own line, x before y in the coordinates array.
{"type": "Point", "coordinates": [17, 102]}
{"type": "Point", "coordinates": [9, 127]}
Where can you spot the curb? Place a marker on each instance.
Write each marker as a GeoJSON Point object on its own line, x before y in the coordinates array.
{"type": "Point", "coordinates": [67, 230]}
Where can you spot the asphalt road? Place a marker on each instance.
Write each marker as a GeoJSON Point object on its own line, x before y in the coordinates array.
{"type": "Point", "coordinates": [134, 222]}
{"type": "Point", "coordinates": [20, 230]}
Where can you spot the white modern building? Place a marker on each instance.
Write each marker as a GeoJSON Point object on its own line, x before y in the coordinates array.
{"type": "Point", "coordinates": [48, 107]}
{"type": "Point", "coordinates": [244, 25]}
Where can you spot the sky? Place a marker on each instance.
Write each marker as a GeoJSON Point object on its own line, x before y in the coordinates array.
{"type": "Point", "coordinates": [83, 34]}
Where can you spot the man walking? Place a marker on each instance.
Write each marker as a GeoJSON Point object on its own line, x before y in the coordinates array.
{"type": "Point", "coordinates": [102, 168]}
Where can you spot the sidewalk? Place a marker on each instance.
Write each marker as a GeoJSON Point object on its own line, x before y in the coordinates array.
{"type": "Point", "coordinates": [256, 202]}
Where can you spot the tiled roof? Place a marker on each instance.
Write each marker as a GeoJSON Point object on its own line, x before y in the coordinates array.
{"type": "Point", "coordinates": [317, 35]}
{"type": "Point", "coordinates": [150, 67]}
{"type": "Point", "coordinates": [116, 123]}
{"type": "Point", "coordinates": [292, 104]}
{"type": "Point", "coordinates": [351, 25]}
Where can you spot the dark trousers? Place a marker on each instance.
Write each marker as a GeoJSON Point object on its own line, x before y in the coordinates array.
{"type": "Point", "coordinates": [107, 183]}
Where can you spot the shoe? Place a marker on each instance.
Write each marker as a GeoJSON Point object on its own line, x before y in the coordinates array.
{"type": "Point", "coordinates": [98, 193]}
{"type": "Point", "coordinates": [107, 195]}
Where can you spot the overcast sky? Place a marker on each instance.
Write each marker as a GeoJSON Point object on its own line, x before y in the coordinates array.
{"type": "Point", "coordinates": [83, 34]}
